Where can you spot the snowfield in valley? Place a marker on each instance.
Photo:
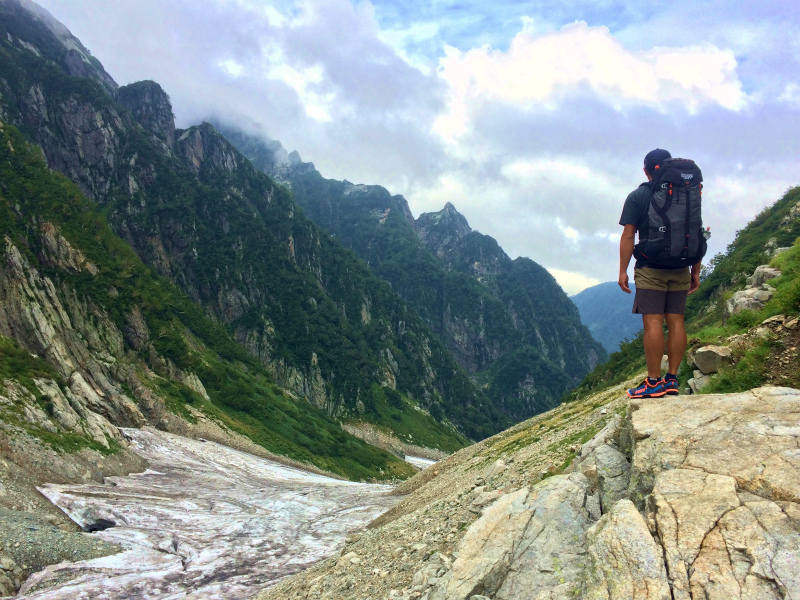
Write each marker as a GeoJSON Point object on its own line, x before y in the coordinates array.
{"type": "Point", "coordinates": [205, 521]}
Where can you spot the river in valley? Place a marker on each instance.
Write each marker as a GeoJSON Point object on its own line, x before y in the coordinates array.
{"type": "Point", "coordinates": [204, 522]}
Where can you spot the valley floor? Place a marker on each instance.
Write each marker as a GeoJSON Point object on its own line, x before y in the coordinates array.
{"type": "Point", "coordinates": [204, 521]}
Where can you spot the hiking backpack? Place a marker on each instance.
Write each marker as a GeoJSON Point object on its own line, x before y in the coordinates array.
{"type": "Point", "coordinates": [674, 235]}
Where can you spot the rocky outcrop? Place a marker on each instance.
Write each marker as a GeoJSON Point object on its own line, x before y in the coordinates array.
{"type": "Point", "coordinates": [695, 497]}
{"type": "Point", "coordinates": [757, 292]}
{"type": "Point", "coordinates": [722, 479]}
{"type": "Point", "coordinates": [73, 335]}
{"type": "Point", "coordinates": [150, 106]}
{"type": "Point", "coordinates": [717, 479]}
{"type": "Point", "coordinates": [67, 51]}
{"type": "Point", "coordinates": [442, 231]}
{"type": "Point", "coordinates": [199, 144]}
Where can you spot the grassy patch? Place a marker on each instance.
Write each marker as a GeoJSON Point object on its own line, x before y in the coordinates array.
{"type": "Point", "coordinates": [748, 373]}
{"type": "Point", "coordinates": [73, 442]}
{"type": "Point", "coordinates": [18, 364]}
{"type": "Point", "coordinates": [410, 424]}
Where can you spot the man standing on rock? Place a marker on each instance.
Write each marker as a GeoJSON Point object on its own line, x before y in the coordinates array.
{"type": "Point", "coordinates": [661, 289]}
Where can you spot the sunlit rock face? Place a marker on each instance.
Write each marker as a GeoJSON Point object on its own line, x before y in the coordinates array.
{"type": "Point", "coordinates": [205, 521]}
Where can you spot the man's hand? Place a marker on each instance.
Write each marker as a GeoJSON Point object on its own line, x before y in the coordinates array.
{"type": "Point", "coordinates": [695, 283]}
{"type": "Point", "coordinates": [623, 282]}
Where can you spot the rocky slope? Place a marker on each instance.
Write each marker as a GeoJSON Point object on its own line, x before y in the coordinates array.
{"type": "Point", "coordinates": [199, 214]}
{"type": "Point", "coordinates": [95, 341]}
{"type": "Point", "coordinates": [507, 322]}
{"type": "Point", "coordinates": [686, 497]}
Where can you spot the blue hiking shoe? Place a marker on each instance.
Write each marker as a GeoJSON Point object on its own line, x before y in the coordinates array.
{"type": "Point", "coordinates": [671, 385]}
{"type": "Point", "coordinates": [648, 390]}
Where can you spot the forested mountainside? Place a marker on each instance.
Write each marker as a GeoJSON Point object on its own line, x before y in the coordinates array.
{"type": "Point", "coordinates": [314, 317]}
{"type": "Point", "coordinates": [96, 337]}
{"type": "Point", "coordinates": [606, 311]}
{"type": "Point", "coordinates": [507, 322]}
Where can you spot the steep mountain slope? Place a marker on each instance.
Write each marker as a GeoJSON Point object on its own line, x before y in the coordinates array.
{"type": "Point", "coordinates": [116, 344]}
{"type": "Point", "coordinates": [200, 214]}
{"type": "Point", "coordinates": [507, 322]}
{"type": "Point", "coordinates": [606, 311]}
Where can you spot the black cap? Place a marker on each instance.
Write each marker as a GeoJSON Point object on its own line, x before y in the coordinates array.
{"type": "Point", "coordinates": [653, 158]}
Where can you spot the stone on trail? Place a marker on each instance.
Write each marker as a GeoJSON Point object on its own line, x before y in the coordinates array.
{"type": "Point", "coordinates": [709, 359]}
{"type": "Point", "coordinates": [624, 562]}
{"type": "Point", "coordinates": [495, 469]}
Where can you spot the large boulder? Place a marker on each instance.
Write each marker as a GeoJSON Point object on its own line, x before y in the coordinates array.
{"type": "Point", "coordinates": [524, 545]}
{"type": "Point", "coordinates": [720, 476]}
{"type": "Point", "coordinates": [709, 359]}
{"type": "Point", "coordinates": [762, 274]}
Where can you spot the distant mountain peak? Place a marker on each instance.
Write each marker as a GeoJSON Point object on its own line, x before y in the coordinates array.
{"type": "Point", "coordinates": [75, 59]}
{"type": "Point", "coordinates": [439, 230]}
{"type": "Point", "coordinates": [150, 106]}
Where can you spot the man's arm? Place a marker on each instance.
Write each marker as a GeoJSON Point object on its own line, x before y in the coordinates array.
{"type": "Point", "coordinates": [695, 277]}
{"type": "Point", "coordinates": [626, 243]}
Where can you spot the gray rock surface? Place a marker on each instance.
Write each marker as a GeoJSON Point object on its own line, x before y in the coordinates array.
{"type": "Point", "coordinates": [613, 475]}
{"type": "Point", "coordinates": [624, 562]}
{"type": "Point", "coordinates": [762, 274]}
{"type": "Point", "coordinates": [757, 292]}
{"type": "Point", "coordinates": [524, 545]}
{"type": "Point", "coordinates": [725, 471]}
{"type": "Point", "coordinates": [709, 359]}
{"type": "Point", "coordinates": [717, 480]}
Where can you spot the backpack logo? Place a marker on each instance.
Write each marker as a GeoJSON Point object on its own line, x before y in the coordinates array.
{"type": "Point", "coordinates": [687, 175]}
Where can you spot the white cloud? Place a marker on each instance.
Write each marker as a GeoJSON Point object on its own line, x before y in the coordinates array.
{"type": "Point", "coordinates": [232, 68]}
{"type": "Point", "coordinates": [317, 106]}
{"type": "Point", "coordinates": [791, 95]}
{"type": "Point", "coordinates": [551, 129]}
{"type": "Point", "coordinates": [572, 282]}
{"type": "Point", "coordinates": [538, 69]}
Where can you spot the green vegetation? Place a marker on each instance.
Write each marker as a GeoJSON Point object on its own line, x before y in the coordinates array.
{"type": "Point", "coordinates": [747, 251]}
{"type": "Point", "coordinates": [242, 395]}
{"type": "Point", "coordinates": [411, 424]}
{"type": "Point", "coordinates": [518, 324]}
{"type": "Point", "coordinates": [19, 365]}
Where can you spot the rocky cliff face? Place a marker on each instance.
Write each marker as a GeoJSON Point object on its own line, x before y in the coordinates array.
{"type": "Point", "coordinates": [689, 498]}
{"type": "Point", "coordinates": [508, 323]}
{"type": "Point", "coordinates": [150, 106]}
{"type": "Point", "coordinates": [198, 212]}
{"type": "Point", "coordinates": [443, 233]}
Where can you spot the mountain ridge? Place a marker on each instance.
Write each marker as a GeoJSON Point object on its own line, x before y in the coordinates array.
{"type": "Point", "coordinates": [507, 322]}
{"type": "Point", "coordinates": [606, 311]}
{"type": "Point", "coordinates": [199, 214]}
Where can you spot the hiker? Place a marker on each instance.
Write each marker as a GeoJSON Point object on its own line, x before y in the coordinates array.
{"type": "Point", "coordinates": [666, 213]}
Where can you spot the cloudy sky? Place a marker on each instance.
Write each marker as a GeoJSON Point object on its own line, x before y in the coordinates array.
{"type": "Point", "coordinates": [532, 118]}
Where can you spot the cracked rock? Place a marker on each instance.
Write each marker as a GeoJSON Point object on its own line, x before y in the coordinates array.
{"type": "Point", "coordinates": [625, 562]}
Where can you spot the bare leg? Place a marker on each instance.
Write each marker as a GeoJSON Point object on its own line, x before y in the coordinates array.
{"type": "Point", "coordinates": [653, 344]}
{"type": "Point", "coordinates": [676, 342]}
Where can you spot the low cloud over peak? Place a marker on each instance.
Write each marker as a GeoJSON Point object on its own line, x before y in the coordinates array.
{"type": "Point", "coordinates": [532, 119]}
